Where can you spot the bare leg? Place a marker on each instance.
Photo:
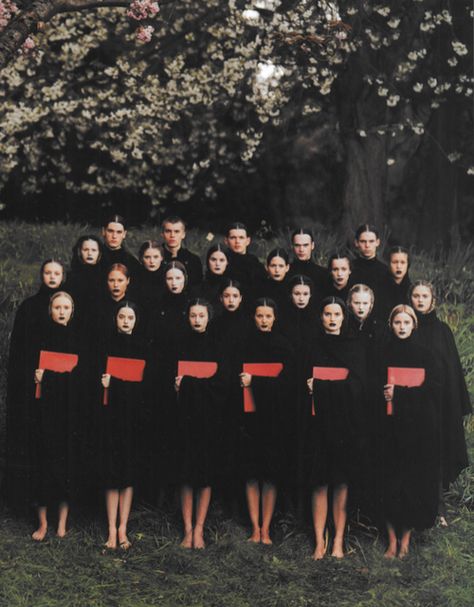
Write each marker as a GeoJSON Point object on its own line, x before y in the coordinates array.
{"type": "Point", "coordinates": [202, 506]}
{"type": "Point", "coordinates": [253, 503]}
{"type": "Point", "coordinates": [339, 514]}
{"type": "Point", "coordinates": [125, 505]}
{"type": "Point", "coordinates": [269, 494]}
{"type": "Point", "coordinates": [63, 512]}
{"type": "Point", "coordinates": [391, 551]}
{"type": "Point", "coordinates": [187, 513]}
{"type": "Point", "coordinates": [404, 544]}
{"type": "Point", "coordinates": [40, 533]}
{"type": "Point", "coordinates": [112, 504]}
{"type": "Point", "coordinates": [320, 514]}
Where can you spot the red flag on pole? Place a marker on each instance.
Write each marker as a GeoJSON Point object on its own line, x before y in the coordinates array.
{"type": "Point", "coordinates": [55, 361]}
{"type": "Point", "coordinates": [259, 370]}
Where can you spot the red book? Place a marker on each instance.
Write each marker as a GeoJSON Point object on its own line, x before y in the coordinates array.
{"type": "Point", "coordinates": [260, 370]}
{"type": "Point", "coordinates": [126, 369]}
{"type": "Point", "coordinates": [55, 361]}
{"type": "Point", "coordinates": [197, 368]}
{"type": "Point", "coordinates": [408, 377]}
{"type": "Point", "coordinates": [329, 374]}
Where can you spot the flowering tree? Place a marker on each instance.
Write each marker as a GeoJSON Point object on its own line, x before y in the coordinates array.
{"type": "Point", "coordinates": [95, 112]}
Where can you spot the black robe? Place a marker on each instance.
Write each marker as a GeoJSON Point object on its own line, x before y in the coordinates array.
{"type": "Point", "coordinates": [277, 290]}
{"type": "Point", "coordinates": [191, 262]}
{"type": "Point", "coordinates": [331, 291]}
{"type": "Point", "coordinates": [392, 294]}
{"type": "Point", "coordinates": [409, 440]}
{"type": "Point", "coordinates": [148, 288]}
{"type": "Point", "coordinates": [263, 435]}
{"type": "Point", "coordinates": [373, 273]}
{"type": "Point", "coordinates": [85, 283]}
{"type": "Point", "coordinates": [335, 443]}
{"type": "Point", "coordinates": [124, 420]}
{"type": "Point", "coordinates": [210, 290]}
{"type": "Point", "coordinates": [247, 270]}
{"type": "Point", "coordinates": [454, 396]}
{"type": "Point", "coordinates": [199, 405]}
{"type": "Point", "coordinates": [123, 256]}
{"type": "Point", "coordinates": [30, 320]}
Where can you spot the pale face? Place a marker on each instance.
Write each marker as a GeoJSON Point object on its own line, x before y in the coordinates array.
{"type": "Point", "coordinates": [217, 263]}
{"type": "Point", "coordinates": [300, 296]}
{"type": "Point", "coordinates": [361, 305]}
{"type": "Point", "coordinates": [277, 268]}
{"type": "Point", "coordinates": [402, 325]}
{"type": "Point", "coordinates": [198, 318]}
{"type": "Point", "coordinates": [421, 299]}
{"type": "Point", "coordinates": [173, 235]}
{"type": "Point", "coordinates": [114, 234]}
{"type": "Point", "coordinates": [61, 310]}
{"type": "Point", "coordinates": [117, 284]}
{"type": "Point", "coordinates": [332, 317]}
{"type": "Point", "coordinates": [90, 252]}
{"type": "Point", "coordinates": [303, 246]}
{"type": "Point", "coordinates": [126, 320]}
{"type": "Point", "coordinates": [237, 241]}
{"type": "Point", "coordinates": [53, 275]}
{"type": "Point", "coordinates": [231, 299]}
{"type": "Point", "coordinates": [340, 272]}
{"type": "Point", "coordinates": [175, 280]}
{"type": "Point", "coordinates": [367, 244]}
{"type": "Point", "coordinates": [152, 259]}
{"type": "Point", "coordinates": [398, 266]}
{"type": "Point", "coordinates": [264, 318]}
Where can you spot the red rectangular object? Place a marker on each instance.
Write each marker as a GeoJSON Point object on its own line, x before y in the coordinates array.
{"type": "Point", "coordinates": [259, 370]}
{"type": "Point", "coordinates": [198, 369]}
{"type": "Point", "coordinates": [126, 369]}
{"type": "Point", "coordinates": [55, 361]}
{"type": "Point", "coordinates": [329, 374]}
{"type": "Point", "coordinates": [408, 377]}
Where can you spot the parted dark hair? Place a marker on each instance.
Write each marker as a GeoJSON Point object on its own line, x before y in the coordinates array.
{"type": "Point", "coordinates": [126, 303]}
{"type": "Point", "coordinates": [302, 232]}
{"type": "Point", "coordinates": [173, 219]}
{"type": "Point", "coordinates": [301, 279]}
{"type": "Point", "coordinates": [114, 219]}
{"type": "Point", "coordinates": [230, 282]}
{"type": "Point", "coordinates": [344, 254]}
{"type": "Point", "coordinates": [278, 253]}
{"type": "Point", "coordinates": [327, 301]}
{"type": "Point", "coordinates": [236, 225]}
{"type": "Point", "coordinates": [399, 249]}
{"type": "Point", "coordinates": [366, 227]}
{"type": "Point", "coordinates": [267, 302]}
{"type": "Point", "coordinates": [149, 244]}
{"type": "Point", "coordinates": [177, 265]}
{"type": "Point", "coordinates": [217, 247]}
{"type": "Point", "coordinates": [76, 249]}
{"type": "Point", "coordinates": [52, 260]}
{"type": "Point", "coordinates": [200, 301]}
{"type": "Point", "coordinates": [119, 267]}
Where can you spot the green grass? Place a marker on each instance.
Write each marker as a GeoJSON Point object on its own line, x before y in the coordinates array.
{"type": "Point", "coordinates": [231, 573]}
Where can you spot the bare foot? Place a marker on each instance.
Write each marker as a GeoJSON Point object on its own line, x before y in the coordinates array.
{"type": "Point", "coordinates": [123, 540]}
{"type": "Point", "coordinates": [391, 552]}
{"type": "Point", "coordinates": [403, 553]}
{"type": "Point", "coordinates": [256, 536]}
{"type": "Point", "coordinates": [319, 552]}
{"type": "Point", "coordinates": [198, 538]}
{"type": "Point", "coordinates": [61, 531]}
{"type": "Point", "coordinates": [187, 539]}
{"type": "Point", "coordinates": [40, 533]}
{"type": "Point", "coordinates": [442, 522]}
{"type": "Point", "coordinates": [337, 552]}
{"type": "Point", "coordinates": [111, 543]}
{"type": "Point", "coordinates": [266, 539]}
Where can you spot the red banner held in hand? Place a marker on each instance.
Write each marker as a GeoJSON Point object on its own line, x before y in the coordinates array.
{"type": "Point", "coordinates": [197, 368]}
{"type": "Point", "coordinates": [259, 370]}
{"type": "Point", "coordinates": [126, 369]}
{"type": "Point", "coordinates": [407, 377]}
{"type": "Point", "coordinates": [329, 374]}
{"type": "Point", "coordinates": [55, 361]}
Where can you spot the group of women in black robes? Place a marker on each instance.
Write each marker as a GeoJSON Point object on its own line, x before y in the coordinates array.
{"type": "Point", "coordinates": [305, 432]}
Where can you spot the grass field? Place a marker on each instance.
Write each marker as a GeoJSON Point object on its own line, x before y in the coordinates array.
{"type": "Point", "coordinates": [74, 572]}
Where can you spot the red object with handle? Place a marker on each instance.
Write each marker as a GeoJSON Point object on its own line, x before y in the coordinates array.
{"type": "Point", "coordinates": [259, 370]}
{"type": "Point", "coordinates": [126, 369]}
{"type": "Point", "coordinates": [55, 361]}
{"type": "Point", "coordinates": [408, 377]}
{"type": "Point", "coordinates": [329, 374]}
{"type": "Point", "coordinates": [198, 369]}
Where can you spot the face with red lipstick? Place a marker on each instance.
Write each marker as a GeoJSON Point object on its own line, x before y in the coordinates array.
{"type": "Point", "coordinates": [332, 318]}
